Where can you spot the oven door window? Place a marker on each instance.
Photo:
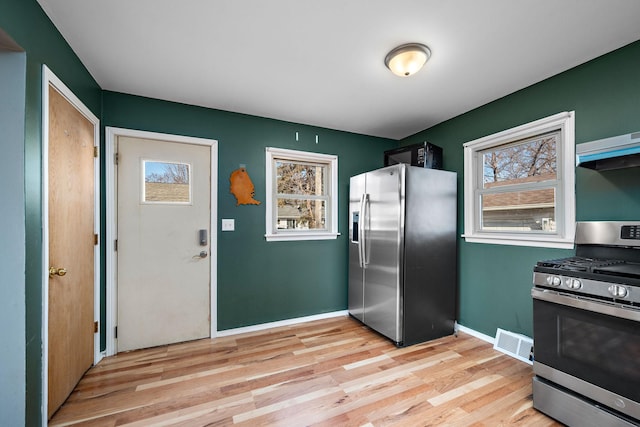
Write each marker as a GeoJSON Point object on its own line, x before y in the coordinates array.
{"type": "Point", "coordinates": [601, 349]}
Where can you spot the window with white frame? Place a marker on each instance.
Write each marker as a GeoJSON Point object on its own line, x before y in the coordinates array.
{"type": "Point", "coordinates": [519, 185]}
{"type": "Point", "coordinates": [302, 195]}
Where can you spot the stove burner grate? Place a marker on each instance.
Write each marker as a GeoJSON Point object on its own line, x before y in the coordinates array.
{"type": "Point", "coordinates": [578, 263]}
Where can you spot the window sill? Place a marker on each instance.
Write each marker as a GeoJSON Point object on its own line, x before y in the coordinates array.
{"type": "Point", "coordinates": [540, 242]}
{"type": "Point", "coordinates": [284, 237]}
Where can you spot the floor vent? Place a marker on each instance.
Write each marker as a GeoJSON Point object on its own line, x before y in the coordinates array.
{"type": "Point", "coordinates": [515, 345]}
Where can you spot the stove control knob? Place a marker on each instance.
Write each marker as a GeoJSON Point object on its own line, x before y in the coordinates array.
{"type": "Point", "coordinates": [618, 291]}
{"type": "Point", "coordinates": [574, 284]}
{"type": "Point", "coordinates": [553, 281]}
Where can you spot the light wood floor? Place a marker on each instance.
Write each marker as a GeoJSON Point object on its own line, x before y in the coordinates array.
{"type": "Point", "coordinates": [332, 372]}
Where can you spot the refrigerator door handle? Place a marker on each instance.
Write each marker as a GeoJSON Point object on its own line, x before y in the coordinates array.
{"type": "Point", "coordinates": [361, 233]}
{"type": "Point", "coordinates": [365, 228]}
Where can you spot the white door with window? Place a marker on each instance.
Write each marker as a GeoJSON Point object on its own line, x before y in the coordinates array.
{"type": "Point", "coordinates": [163, 242]}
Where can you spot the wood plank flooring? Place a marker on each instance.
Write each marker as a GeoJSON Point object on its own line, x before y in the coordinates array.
{"type": "Point", "coordinates": [333, 372]}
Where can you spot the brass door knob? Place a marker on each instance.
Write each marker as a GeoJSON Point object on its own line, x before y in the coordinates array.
{"type": "Point", "coordinates": [57, 271]}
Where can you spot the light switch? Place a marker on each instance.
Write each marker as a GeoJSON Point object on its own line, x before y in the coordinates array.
{"type": "Point", "coordinates": [228, 224]}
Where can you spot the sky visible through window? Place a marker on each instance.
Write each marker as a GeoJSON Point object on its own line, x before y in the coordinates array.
{"type": "Point", "coordinates": [166, 172]}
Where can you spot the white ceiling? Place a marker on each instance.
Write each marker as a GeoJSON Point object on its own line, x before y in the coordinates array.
{"type": "Point", "coordinates": [322, 62]}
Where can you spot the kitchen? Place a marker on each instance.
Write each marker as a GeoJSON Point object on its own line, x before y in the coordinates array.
{"type": "Point", "coordinates": [494, 280]}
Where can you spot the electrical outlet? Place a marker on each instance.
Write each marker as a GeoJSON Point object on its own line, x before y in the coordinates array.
{"type": "Point", "coordinates": [228, 224]}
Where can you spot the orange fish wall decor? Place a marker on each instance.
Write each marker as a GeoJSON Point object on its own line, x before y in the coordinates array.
{"type": "Point", "coordinates": [242, 187]}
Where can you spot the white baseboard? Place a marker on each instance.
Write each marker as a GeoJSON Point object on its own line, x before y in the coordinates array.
{"type": "Point", "coordinates": [480, 335]}
{"type": "Point", "coordinates": [297, 320]}
{"type": "Point", "coordinates": [287, 322]}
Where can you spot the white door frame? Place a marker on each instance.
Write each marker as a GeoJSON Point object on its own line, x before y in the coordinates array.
{"type": "Point", "coordinates": [111, 135]}
{"type": "Point", "coordinates": [48, 78]}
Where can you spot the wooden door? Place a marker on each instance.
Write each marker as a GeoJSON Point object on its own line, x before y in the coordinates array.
{"type": "Point", "coordinates": [71, 248]}
{"type": "Point", "coordinates": [164, 270]}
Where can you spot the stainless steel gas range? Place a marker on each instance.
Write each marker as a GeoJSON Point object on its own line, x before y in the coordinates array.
{"type": "Point", "coordinates": [586, 329]}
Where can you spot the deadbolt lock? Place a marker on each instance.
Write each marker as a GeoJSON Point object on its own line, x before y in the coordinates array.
{"type": "Point", "coordinates": [57, 271]}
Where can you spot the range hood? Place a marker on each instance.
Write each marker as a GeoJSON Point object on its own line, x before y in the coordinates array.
{"type": "Point", "coordinates": [617, 152]}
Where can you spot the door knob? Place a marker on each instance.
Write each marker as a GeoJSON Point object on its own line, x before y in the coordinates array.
{"type": "Point", "coordinates": [57, 271]}
{"type": "Point", "coordinates": [202, 254]}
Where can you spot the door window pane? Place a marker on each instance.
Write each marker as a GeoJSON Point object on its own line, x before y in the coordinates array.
{"type": "Point", "coordinates": [166, 182]}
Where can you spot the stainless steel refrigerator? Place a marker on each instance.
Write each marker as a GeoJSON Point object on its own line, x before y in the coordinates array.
{"type": "Point", "coordinates": [402, 252]}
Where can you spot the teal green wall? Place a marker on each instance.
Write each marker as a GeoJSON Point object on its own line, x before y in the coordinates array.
{"type": "Point", "coordinates": [495, 280]}
{"type": "Point", "coordinates": [262, 282]}
{"type": "Point", "coordinates": [27, 24]}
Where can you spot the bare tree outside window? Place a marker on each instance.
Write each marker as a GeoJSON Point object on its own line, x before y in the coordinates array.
{"type": "Point", "coordinates": [301, 195]}
{"type": "Point", "coordinates": [166, 182]}
{"type": "Point", "coordinates": [167, 173]}
{"type": "Point", "coordinates": [529, 161]}
{"type": "Point", "coordinates": [521, 165]}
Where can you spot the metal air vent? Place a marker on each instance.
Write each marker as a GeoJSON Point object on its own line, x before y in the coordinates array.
{"type": "Point", "coordinates": [515, 345]}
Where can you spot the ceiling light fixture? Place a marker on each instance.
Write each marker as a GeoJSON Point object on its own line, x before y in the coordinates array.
{"type": "Point", "coordinates": [407, 59]}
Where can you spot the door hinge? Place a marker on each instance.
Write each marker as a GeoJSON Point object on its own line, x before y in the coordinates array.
{"type": "Point", "coordinates": [95, 327]}
{"type": "Point", "coordinates": [95, 239]}
{"type": "Point", "coordinates": [96, 151]}
{"type": "Point", "coordinates": [115, 158]}
{"type": "Point", "coordinates": [115, 333]}
{"type": "Point", "coordinates": [115, 245]}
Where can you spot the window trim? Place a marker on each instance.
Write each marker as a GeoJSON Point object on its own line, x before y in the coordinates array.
{"type": "Point", "coordinates": [273, 234]}
{"type": "Point", "coordinates": [565, 197]}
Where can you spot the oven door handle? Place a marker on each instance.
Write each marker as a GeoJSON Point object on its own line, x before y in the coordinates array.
{"type": "Point", "coordinates": [602, 307]}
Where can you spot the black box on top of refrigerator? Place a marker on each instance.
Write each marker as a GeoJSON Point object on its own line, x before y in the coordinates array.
{"type": "Point", "coordinates": [423, 155]}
